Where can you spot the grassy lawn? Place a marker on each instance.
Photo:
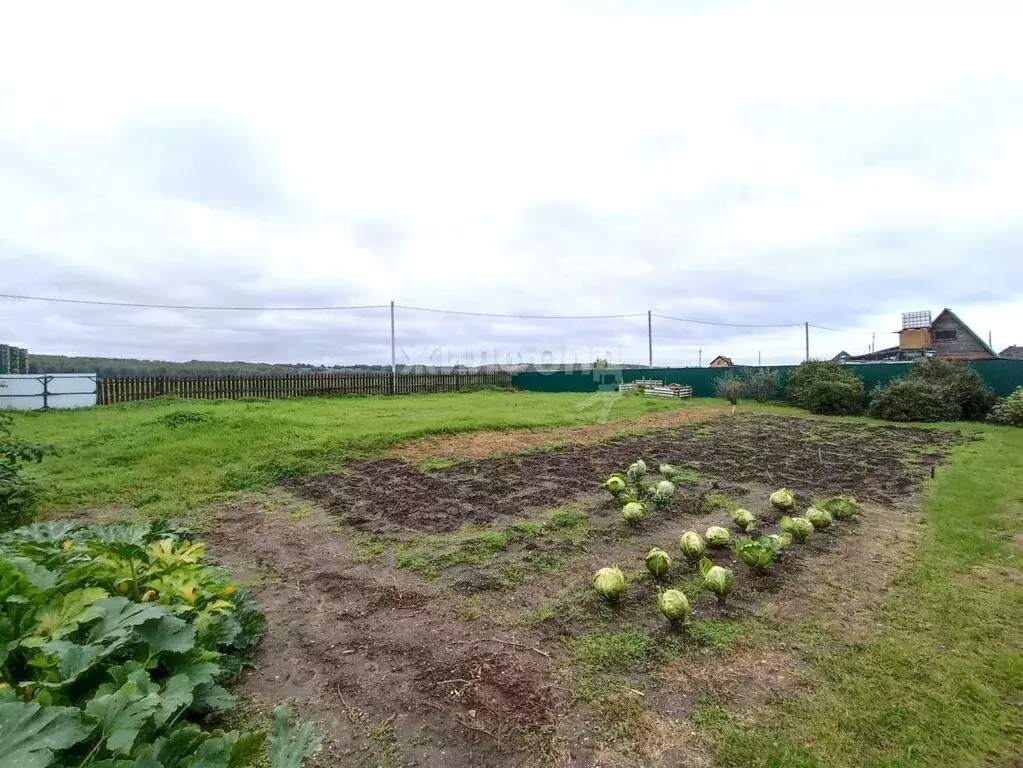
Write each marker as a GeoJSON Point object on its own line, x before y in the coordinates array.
{"type": "Point", "coordinates": [146, 455]}
{"type": "Point", "coordinates": [941, 682]}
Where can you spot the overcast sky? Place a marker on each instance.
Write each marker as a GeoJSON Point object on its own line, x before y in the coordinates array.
{"type": "Point", "coordinates": [747, 162]}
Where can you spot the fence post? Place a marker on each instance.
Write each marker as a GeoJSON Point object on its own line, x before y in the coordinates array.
{"type": "Point", "coordinates": [650, 336]}
{"type": "Point", "coordinates": [393, 369]}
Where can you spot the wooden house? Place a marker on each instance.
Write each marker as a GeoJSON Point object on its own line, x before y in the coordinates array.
{"type": "Point", "coordinates": [1012, 352]}
{"type": "Point", "coordinates": [721, 362]}
{"type": "Point", "coordinates": [946, 336]}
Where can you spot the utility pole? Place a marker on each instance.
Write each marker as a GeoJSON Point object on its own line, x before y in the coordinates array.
{"type": "Point", "coordinates": [989, 340]}
{"type": "Point", "coordinates": [650, 336]}
{"type": "Point", "coordinates": [806, 326]}
{"type": "Point", "coordinates": [394, 370]}
{"type": "Point", "coordinates": [758, 358]}
{"type": "Point", "coordinates": [699, 360]}
{"type": "Point", "coordinates": [873, 336]}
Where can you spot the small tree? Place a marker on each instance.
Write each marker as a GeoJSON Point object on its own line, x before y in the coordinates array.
{"type": "Point", "coordinates": [600, 362]}
{"type": "Point", "coordinates": [18, 494]}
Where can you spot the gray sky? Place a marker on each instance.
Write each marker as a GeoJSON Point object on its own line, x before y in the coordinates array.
{"type": "Point", "coordinates": [745, 162]}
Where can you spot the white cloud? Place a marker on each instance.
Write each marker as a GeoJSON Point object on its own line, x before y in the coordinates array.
{"type": "Point", "coordinates": [741, 161]}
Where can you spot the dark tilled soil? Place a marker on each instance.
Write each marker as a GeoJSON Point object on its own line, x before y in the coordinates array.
{"type": "Point", "coordinates": [376, 657]}
{"type": "Point", "coordinates": [878, 464]}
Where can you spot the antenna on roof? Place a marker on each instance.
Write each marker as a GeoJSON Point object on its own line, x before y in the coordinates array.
{"type": "Point", "coordinates": [916, 319]}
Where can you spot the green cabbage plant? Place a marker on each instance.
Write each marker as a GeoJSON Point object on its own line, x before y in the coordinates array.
{"type": "Point", "coordinates": [609, 582]}
{"type": "Point", "coordinates": [840, 507]}
{"type": "Point", "coordinates": [819, 518]}
{"type": "Point", "coordinates": [615, 484]}
{"type": "Point", "coordinates": [636, 470]}
{"type": "Point", "coordinates": [743, 519]}
{"type": "Point", "coordinates": [777, 541]}
{"type": "Point", "coordinates": [668, 470]}
{"type": "Point", "coordinates": [634, 511]}
{"type": "Point", "coordinates": [783, 499]}
{"type": "Point", "coordinates": [716, 579]}
{"type": "Point", "coordinates": [663, 492]}
{"type": "Point", "coordinates": [658, 561]}
{"type": "Point", "coordinates": [717, 537]}
{"type": "Point", "coordinates": [797, 527]}
{"type": "Point", "coordinates": [693, 546]}
{"type": "Point", "coordinates": [674, 605]}
{"type": "Point", "coordinates": [756, 553]}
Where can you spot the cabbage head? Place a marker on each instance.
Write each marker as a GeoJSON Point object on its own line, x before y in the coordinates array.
{"type": "Point", "coordinates": [757, 554]}
{"type": "Point", "coordinates": [743, 519]}
{"type": "Point", "coordinates": [819, 518]}
{"type": "Point", "coordinates": [636, 470]}
{"type": "Point", "coordinates": [634, 511]}
{"type": "Point", "coordinates": [717, 537]}
{"type": "Point", "coordinates": [783, 499]}
{"type": "Point", "coordinates": [658, 561]}
{"type": "Point", "coordinates": [839, 506]}
{"type": "Point", "coordinates": [674, 605]}
{"type": "Point", "coordinates": [716, 579]}
{"type": "Point", "coordinates": [614, 484]}
{"type": "Point", "coordinates": [609, 582]}
{"type": "Point", "coordinates": [693, 545]}
{"type": "Point", "coordinates": [797, 527]}
{"type": "Point", "coordinates": [663, 493]}
{"type": "Point", "coordinates": [777, 541]}
{"type": "Point", "coordinates": [668, 470]}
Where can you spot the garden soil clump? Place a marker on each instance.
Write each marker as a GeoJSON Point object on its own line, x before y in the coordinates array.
{"type": "Point", "coordinates": [877, 464]}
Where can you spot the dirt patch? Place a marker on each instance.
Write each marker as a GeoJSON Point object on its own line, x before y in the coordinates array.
{"type": "Point", "coordinates": [879, 464]}
{"type": "Point", "coordinates": [487, 443]}
{"type": "Point", "coordinates": [379, 660]}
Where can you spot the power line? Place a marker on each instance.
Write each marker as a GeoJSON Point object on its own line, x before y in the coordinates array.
{"type": "Point", "coordinates": [52, 323]}
{"type": "Point", "coordinates": [838, 330]}
{"type": "Point", "coordinates": [520, 317]}
{"type": "Point", "coordinates": [729, 325]}
{"type": "Point", "coordinates": [184, 306]}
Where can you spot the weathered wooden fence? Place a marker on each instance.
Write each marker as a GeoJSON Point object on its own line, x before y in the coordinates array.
{"type": "Point", "coordinates": [123, 389]}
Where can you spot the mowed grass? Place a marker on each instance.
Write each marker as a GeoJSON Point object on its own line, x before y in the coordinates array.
{"type": "Point", "coordinates": [146, 456]}
{"type": "Point", "coordinates": [940, 683]}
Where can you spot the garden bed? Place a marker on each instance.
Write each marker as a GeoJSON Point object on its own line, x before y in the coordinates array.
{"type": "Point", "coordinates": [445, 616]}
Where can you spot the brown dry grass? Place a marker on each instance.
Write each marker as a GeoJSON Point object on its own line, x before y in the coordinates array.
{"type": "Point", "coordinates": [480, 445]}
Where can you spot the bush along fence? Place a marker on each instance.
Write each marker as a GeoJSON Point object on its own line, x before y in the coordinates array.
{"type": "Point", "coordinates": [127, 388]}
{"type": "Point", "coordinates": [1003, 376]}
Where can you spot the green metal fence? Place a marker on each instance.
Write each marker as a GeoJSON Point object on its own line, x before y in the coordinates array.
{"type": "Point", "coordinates": [1003, 376]}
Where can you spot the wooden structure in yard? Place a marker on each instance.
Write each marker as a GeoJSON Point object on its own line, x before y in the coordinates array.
{"type": "Point", "coordinates": [657, 388]}
{"type": "Point", "coordinates": [123, 389]}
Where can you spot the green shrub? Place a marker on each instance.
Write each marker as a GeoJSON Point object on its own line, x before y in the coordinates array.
{"type": "Point", "coordinates": [823, 386]}
{"type": "Point", "coordinates": [914, 399]}
{"type": "Point", "coordinates": [975, 398]}
{"type": "Point", "coordinates": [1009, 410]}
{"type": "Point", "coordinates": [18, 494]}
{"type": "Point", "coordinates": [117, 640]}
{"type": "Point", "coordinates": [762, 385]}
{"type": "Point", "coordinates": [728, 388]}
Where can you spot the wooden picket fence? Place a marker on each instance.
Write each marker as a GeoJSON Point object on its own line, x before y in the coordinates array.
{"type": "Point", "coordinates": [123, 389]}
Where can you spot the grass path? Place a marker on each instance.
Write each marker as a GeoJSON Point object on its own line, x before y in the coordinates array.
{"type": "Point", "coordinates": [941, 681]}
{"type": "Point", "coordinates": [147, 457]}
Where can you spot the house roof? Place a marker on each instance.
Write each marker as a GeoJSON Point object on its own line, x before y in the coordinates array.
{"type": "Point", "coordinates": [722, 357]}
{"type": "Point", "coordinates": [1012, 351]}
{"type": "Point", "coordinates": [949, 313]}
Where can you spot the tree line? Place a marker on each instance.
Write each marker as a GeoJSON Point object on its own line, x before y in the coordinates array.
{"type": "Point", "coordinates": [110, 367]}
